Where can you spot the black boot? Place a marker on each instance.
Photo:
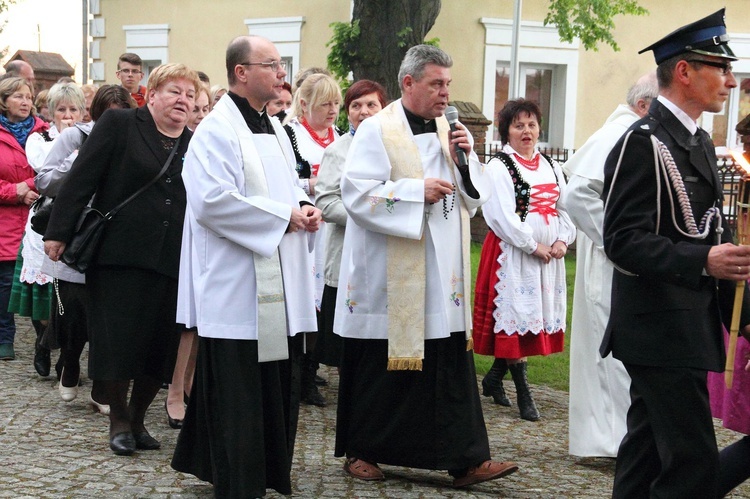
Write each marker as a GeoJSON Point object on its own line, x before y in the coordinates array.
{"type": "Point", "coordinates": [526, 404]}
{"type": "Point", "coordinates": [42, 362]}
{"type": "Point", "coordinates": [492, 383]}
{"type": "Point", "coordinates": [310, 393]}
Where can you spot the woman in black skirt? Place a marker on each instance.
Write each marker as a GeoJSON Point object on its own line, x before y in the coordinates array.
{"type": "Point", "coordinates": [132, 283]}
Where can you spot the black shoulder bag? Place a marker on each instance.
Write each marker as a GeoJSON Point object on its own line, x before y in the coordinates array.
{"type": "Point", "coordinates": [81, 250]}
{"type": "Point", "coordinates": [42, 207]}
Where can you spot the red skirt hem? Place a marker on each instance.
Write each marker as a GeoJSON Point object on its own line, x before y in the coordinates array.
{"type": "Point", "coordinates": [501, 345]}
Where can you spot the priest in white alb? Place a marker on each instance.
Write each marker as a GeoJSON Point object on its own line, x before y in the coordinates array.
{"type": "Point", "coordinates": [252, 287]}
{"type": "Point", "coordinates": [408, 390]}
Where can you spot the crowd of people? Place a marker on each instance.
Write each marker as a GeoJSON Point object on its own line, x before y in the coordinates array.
{"type": "Point", "coordinates": [248, 238]}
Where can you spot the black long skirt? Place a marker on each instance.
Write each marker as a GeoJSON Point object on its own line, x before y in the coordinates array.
{"type": "Point", "coordinates": [241, 422]}
{"type": "Point", "coordinates": [132, 323]}
{"type": "Point", "coordinates": [429, 419]}
{"type": "Point", "coordinates": [329, 344]}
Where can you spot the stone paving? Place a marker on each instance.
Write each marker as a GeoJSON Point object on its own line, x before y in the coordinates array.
{"type": "Point", "coordinates": [53, 449]}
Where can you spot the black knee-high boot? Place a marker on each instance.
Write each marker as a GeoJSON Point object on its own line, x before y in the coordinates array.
{"type": "Point", "coordinates": [41, 353]}
{"type": "Point", "coordinates": [492, 383]}
{"type": "Point", "coordinates": [526, 405]}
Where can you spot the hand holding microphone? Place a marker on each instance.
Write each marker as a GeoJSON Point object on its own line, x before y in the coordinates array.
{"type": "Point", "coordinates": [451, 114]}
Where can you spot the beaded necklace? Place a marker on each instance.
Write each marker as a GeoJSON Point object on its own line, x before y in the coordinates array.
{"type": "Point", "coordinates": [531, 164]}
{"type": "Point", "coordinates": [325, 142]}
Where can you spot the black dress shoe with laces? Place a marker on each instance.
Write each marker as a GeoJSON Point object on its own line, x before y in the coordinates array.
{"type": "Point", "coordinates": [122, 444]}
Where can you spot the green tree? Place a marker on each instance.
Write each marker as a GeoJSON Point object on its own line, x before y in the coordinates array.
{"type": "Point", "coordinates": [374, 43]}
{"type": "Point", "coordinates": [591, 21]}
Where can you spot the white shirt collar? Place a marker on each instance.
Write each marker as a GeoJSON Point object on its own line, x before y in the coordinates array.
{"type": "Point", "coordinates": [686, 120]}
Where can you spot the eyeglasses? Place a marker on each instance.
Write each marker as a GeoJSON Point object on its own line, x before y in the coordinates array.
{"type": "Point", "coordinates": [130, 71]}
{"type": "Point", "coordinates": [274, 65]}
{"type": "Point", "coordinates": [725, 67]}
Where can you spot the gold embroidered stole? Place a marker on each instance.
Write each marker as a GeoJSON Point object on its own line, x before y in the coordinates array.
{"type": "Point", "coordinates": [405, 272]}
{"type": "Point", "coordinates": [271, 306]}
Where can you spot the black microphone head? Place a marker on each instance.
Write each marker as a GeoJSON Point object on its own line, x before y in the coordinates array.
{"type": "Point", "coordinates": [451, 114]}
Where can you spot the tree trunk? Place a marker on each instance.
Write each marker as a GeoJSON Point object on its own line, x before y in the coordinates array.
{"type": "Point", "coordinates": [388, 29]}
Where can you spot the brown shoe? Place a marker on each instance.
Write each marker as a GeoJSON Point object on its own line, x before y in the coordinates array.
{"type": "Point", "coordinates": [362, 469]}
{"type": "Point", "coordinates": [488, 470]}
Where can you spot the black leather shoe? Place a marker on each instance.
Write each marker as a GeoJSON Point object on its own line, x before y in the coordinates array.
{"type": "Point", "coordinates": [311, 396]}
{"type": "Point", "coordinates": [173, 423]}
{"type": "Point", "coordinates": [42, 362]}
{"type": "Point", "coordinates": [144, 441]}
{"type": "Point", "coordinates": [122, 444]}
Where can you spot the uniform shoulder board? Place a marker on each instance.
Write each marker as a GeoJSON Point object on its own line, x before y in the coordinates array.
{"type": "Point", "coordinates": [645, 126]}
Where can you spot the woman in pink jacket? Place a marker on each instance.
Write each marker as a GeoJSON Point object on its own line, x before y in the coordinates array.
{"type": "Point", "coordinates": [17, 192]}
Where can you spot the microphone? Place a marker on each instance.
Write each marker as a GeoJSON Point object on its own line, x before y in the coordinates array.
{"type": "Point", "coordinates": [451, 114]}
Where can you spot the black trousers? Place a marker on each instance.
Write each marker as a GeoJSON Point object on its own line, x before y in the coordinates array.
{"type": "Point", "coordinates": [669, 450]}
{"type": "Point", "coordinates": [735, 465]}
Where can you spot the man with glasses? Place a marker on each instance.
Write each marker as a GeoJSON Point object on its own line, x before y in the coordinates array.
{"type": "Point", "coordinates": [675, 269]}
{"type": "Point", "coordinates": [252, 289]}
{"type": "Point", "coordinates": [129, 72]}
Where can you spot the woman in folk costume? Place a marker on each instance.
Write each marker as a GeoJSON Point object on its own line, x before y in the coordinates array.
{"type": "Point", "coordinates": [310, 126]}
{"type": "Point", "coordinates": [520, 298]}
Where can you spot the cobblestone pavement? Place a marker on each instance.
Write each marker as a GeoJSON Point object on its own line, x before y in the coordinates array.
{"type": "Point", "coordinates": [50, 448]}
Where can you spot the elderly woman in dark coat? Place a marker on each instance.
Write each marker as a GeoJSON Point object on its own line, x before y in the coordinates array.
{"type": "Point", "coordinates": [132, 284]}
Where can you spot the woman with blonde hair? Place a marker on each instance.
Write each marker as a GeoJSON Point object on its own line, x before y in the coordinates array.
{"type": "Point", "coordinates": [310, 124]}
{"type": "Point", "coordinates": [133, 276]}
{"type": "Point", "coordinates": [215, 94]}
{"type": "Point", "coordinates": [17, 191]}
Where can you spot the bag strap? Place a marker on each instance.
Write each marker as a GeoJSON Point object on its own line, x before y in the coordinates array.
{"type": "Point", "coordinates": [111, 213]}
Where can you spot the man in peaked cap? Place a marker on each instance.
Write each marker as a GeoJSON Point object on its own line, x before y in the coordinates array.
{"type": "Point", "coordinates": [666, 316]}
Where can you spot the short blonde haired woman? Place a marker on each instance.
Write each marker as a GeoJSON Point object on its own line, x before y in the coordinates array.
{"type": "Point", "coordinates": [133, 334]}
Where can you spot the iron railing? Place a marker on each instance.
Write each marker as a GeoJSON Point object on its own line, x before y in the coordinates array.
{"type": "Point", "coordinates": [730, 174]}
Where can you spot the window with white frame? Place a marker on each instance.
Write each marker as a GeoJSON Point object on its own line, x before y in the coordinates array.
{"type": "Point", "coordinates": [548, 75]}
{"type": "Point", "coordinates": [150, 42]}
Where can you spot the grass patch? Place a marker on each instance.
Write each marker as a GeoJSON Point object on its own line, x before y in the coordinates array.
{"type": "Point", "coordinates": [552, 370]}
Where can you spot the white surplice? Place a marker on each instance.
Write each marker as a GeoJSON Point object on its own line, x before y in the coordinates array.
{"type": "Point", "coordinates": [312, 152]}
{"type": "Point", "coordinates": [379, 207]}
{"type": "Point", "coordinates": [229, 230]}
{"type": "Point", "coordinates": [599, 397]}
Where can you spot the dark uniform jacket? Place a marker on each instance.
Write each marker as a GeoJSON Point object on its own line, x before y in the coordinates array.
{"type": "Point", "coordinates": [669, 314]}
{"type": "Point", "coordinates": [125, 151]}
